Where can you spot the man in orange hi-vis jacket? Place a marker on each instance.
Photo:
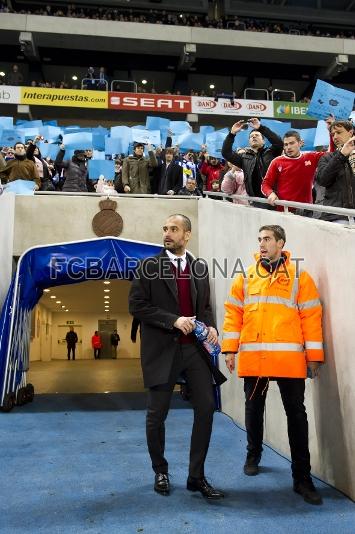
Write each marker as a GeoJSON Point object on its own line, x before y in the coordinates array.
{"type": "Point", "coordinates": [273, 320]}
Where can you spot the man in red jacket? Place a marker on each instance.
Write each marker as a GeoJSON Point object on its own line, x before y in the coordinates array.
{"type": "Point", "coordinates": [291, 176]}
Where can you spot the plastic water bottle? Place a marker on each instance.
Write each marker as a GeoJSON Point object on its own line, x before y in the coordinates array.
{"type": "Point", "coordinates": [201, 332]}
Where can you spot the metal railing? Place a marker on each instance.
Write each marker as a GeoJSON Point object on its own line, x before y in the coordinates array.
{"type": "Point", "coordinates": [123, 195]}
{"type": "Point", "coordinates": [264, 92]}
{"type": "Point", "coordinates": [343, 213]}
{"type": "Point", "coordinates": [279, 92]}
{"type": "Point", "coordinates": [94, 83]}
{"type": "Point", "coordinates": [130, 82]}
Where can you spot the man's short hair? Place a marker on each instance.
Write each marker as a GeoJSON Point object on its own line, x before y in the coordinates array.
{"type": "Point", "coordinates": [293, 133]}
{"type": "Point", "coordinates": [278, 231]}
{"type": "Point", "coordinates": [19, 143]}
{"type": "Point", "coordinates": [191, 178]}
{"type": "Point", "coordinates": [185, 220]}
{"type": "Point", "coordinates": [256, 130]}
{"type": "Point", "coordinates": [347, 125]}
{"type": "Point", "coordinates": [169, 150]}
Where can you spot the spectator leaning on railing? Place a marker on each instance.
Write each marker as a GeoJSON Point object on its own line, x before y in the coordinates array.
{"type": "Point", "coordinates": [336, 170]}
{"type": "Point", "coordinates": [291, 176]}
{"type": "Point", "coordinates": [19, 168]}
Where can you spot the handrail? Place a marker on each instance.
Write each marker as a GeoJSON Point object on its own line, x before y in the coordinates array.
{"type": "Point", "coordinates": [264, 91]}
{"type": "Point", "coordinates": [123, 195]}
{"type": "Point", "coordinates": [347, 213]}
{"type": "Point", "coordinates": [275, 91]}
{"type": "Point", "coordinates": [94, 85]}
{"type": "Point", "coordinates": [135, 86]}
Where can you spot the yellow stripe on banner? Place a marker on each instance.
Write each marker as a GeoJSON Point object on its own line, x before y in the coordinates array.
{"type": "Point", "coordinates": [75, 98]}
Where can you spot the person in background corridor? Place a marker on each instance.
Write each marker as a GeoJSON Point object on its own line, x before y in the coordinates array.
{"type": "Point", "coordinates": [273, 320]}
{"type": "Point", "coordinates": [71, 339]}
{"type": "Point", "coordinates": [96, 344]}
{"type": "Point", "coordinates": [115, 338]}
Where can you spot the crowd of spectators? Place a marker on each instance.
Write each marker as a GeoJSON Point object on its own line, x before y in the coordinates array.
{"type": "Point", "coordinates": [280, 171]}
{"type": "Point", "coordinates": [181, 19]}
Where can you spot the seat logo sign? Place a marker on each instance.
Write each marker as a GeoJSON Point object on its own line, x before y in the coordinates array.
{"type": "Point", "coordinates": [152, 102]}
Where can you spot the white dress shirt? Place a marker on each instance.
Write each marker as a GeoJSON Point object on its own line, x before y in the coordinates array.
{"type": "Point", "coordinates": [174, 258]}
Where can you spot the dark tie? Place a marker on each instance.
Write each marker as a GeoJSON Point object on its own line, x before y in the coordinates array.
{"type": "Point", "coordinates": [178, 265]}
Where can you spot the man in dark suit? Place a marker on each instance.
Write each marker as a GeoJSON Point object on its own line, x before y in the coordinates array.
{"type": "Point", "coordinates": [169, 291]}
{"type": "Point", "coordinates": [169, 175]}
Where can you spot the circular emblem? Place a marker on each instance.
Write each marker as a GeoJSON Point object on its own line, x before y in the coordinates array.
{"type": "Point", "coordinates": [107, 222]}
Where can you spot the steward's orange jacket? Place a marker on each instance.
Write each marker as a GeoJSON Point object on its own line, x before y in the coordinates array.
{"type": "Point", "coordinates": [274, 321]}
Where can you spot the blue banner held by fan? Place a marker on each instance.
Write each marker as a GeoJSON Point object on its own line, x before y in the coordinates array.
{"type": "Point", "coordinates": [78, 141]}
{"type": "Point", "coordinates": [48, 150]}
{"type": "Point", "coordinates": [116, 145]}
{"type": "Point", "coordinates": [151, 137]}
{"type": "Point", "coordinates": [190, 141]}
{"type": "Point", "coordinates": [7, 123]}
{"type": "Point", "coordinates": [101, 167]}
{"type": "Point", "coordinates": [20, 187]}
{"type": "Point", "coordinates": [330, 100]}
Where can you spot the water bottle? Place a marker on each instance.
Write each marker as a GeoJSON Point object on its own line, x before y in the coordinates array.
{"type": "Point", "coordinates": [201, 333]}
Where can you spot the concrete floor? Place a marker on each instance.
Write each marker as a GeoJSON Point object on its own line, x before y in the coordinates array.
{"type": "Point", "coordinates": [86, 376]}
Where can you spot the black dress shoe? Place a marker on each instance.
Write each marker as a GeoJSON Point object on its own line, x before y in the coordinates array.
{"type": "Point", "coordinates": [201, 485]}
{"type": "Point", "coordinates": [307, 490]}
{"type": "Point", "coordinates": [162, 484]}
{"type": "Point", "coordinates": [251, 466]}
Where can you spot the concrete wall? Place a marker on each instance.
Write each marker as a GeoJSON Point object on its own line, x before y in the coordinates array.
{"type": "Point", "coordinates": [7, 218]}
{"type": "Point", "coordinates": [41, 334]}
{"type": "Point", "coordinates": [131, 31]}
{"type": "Point", "coordinates": [44, 219]}
{"type": "Point", "coordinates": [329, 256]}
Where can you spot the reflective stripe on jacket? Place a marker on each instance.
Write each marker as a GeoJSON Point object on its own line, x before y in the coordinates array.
{"type": "Point", "coordinates": [274, 321]}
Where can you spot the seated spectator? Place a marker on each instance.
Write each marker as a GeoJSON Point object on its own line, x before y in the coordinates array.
{"type": "Point", "coordinates": [233, 184]}
{"type": "Point", "coordinates": [19, 168]}
{"type": "Point", "coordinates": [190, 189]}
{"type": "Point", "coordinates": [14, 77]}
{"type": "Point", "coordinates": [135, 170]}
{"type": "Point", "coordinates": [75, 170]}
{"type": "Point", "coordinates": [336, 171]}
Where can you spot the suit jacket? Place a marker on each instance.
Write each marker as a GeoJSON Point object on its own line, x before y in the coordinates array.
{"type": "Point", "coordinates": [169, 178]}
{"type": "Point", "coordinates": [154, 301]}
